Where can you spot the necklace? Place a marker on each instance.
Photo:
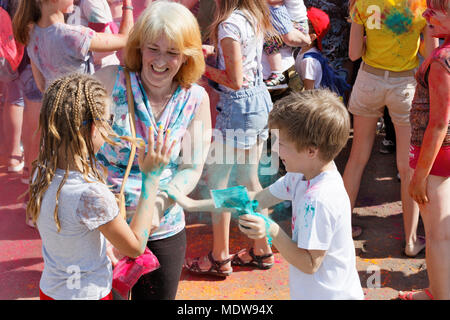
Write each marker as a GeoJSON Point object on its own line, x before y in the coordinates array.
{"type": "Point", "coordinates": [158, 108]}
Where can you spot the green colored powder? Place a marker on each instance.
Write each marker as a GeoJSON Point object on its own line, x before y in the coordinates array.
{"type": "Point", "coordinates": [237, 198]}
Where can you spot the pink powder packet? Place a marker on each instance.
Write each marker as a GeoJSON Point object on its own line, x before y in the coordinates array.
{"type": "Point", "coordinates": [128, 271]}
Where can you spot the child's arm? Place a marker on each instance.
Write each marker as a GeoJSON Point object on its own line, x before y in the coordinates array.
{"type": "Point", "coordinates": [232, 76]}
{"type": "Point", "coordinates": [307, 261]}
{"type": "Point", "coordinates": [428, 44]}
{"type": "Point", "coordinates": [105, 42]}
{"type": "Point", "coordinates": [439, 82]}
{"type": "Point", "coordinates": [189, 204]}
{"type": "Point", "coordinates": [308, 84]}
{"type": "Point", "coordinates": [265, 200]}
{"type": "Point", "coordinates": [296, 38]}
{"type": "Point", "coordinates": [131, 240]}
{"type": "Point", "coordinates": [275, 2]}
{"type": "Point", "coordinates": [356, 46]}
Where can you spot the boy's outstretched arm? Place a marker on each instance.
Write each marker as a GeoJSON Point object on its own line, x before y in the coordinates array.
{"type": "Point", "coordinates": [264, 197]}
{"type": "Point", "coordinates": [307, 261]}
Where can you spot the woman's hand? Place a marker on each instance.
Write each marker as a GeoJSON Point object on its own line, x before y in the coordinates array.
{"type": "Point", "coordinates": [418, 189]}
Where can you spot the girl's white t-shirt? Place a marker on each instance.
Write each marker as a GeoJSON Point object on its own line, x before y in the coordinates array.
{"type": "Point", "coordinates": [321, 220]}
{"type": "Point", "coordinates": [239, 28]}
{"type": "Point", "coordinates": [75, 261]}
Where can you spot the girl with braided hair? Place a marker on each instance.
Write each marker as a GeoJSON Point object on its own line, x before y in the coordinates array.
{"type": "Point", "coordinates": [69, 201]}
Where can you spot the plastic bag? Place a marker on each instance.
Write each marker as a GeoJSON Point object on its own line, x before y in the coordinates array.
{"type": "Point", "coordinates": [128, 271]}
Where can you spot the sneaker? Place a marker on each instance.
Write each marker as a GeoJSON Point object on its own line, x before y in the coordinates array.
{"type": "Point", "coordinates": [276, 81]}
{"type": "Point", "coordinates": [387, 146]}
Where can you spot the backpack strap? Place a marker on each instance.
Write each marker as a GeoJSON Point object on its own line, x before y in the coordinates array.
{"type": "Point", "coordinates": [133, 146]}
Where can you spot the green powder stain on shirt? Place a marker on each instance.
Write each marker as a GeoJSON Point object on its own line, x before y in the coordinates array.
{"type": "Point", "coordinates": [399, 22]}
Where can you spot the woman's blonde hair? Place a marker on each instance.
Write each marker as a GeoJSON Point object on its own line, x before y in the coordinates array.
{"type": "Point", "coordinates": [70, 106]}
{"type": "Point", "coordinates": [256, 11]}
{"type": "Point", "coordinates": [178, 24]}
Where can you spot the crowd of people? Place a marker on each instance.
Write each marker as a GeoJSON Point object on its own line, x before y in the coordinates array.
{"type": "Point", "coordinates": [113, 110]}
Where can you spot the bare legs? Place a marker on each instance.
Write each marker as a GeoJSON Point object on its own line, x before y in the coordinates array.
{"type": "Point", "coordinates": [218, 176]}
{"type": "Point", "coordinates": [436, 219]}
{"type": "Point", "coordinates": [12, 129]}
{"type": "Point", "coordinates": [30, 134]}
{"type": "Point", "coordinates": [364, 130]}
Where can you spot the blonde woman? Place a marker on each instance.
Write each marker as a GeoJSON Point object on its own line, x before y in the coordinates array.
{"type": "Point", "coordinates": [165, 59]}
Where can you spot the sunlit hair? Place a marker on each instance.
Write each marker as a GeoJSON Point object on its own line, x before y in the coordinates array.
{"type": "Point", "coordinates": [256, 11]}
{"type": "Point", "coordinates": [70, 106]}
{"type": "Point", "coordinates": [28, 12]}
{"type": "Point", "coordinates": [180, 27]}
{"type": "Point", "coordinates": [313, 118]}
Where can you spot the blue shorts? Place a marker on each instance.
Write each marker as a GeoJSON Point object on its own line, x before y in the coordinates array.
{"type": "Point", "coordinates": [243, 116]}
{"type": "Point", "coordinates": [281, 20]}
{"type": "Point", "coordinates": [23, 86]}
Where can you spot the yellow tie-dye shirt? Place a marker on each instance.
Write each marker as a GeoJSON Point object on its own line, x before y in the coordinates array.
{"type": "Point", "coordinates": [393, 30]}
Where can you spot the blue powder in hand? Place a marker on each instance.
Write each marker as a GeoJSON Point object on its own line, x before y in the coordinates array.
{"type": "Point", "coordinates": [237, 198]}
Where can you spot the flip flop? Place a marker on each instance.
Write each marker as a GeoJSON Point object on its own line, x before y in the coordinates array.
{"type": "Point", "coordinates": [214, 270]}
{"type": "Point", "coordinates": [408, 295]}
{"type": "Point", "coordinates": [257, 261]}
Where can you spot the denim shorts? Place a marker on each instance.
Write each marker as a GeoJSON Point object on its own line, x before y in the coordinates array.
{"type": "Point", "coordinates": [243, 116]}
{"type": "Point", "coordinates": [23, 86]}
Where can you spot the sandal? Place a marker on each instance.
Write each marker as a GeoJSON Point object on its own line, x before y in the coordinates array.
{"type": "Point", "coordinates": [18, 167]}
{"type": "Point", "coordinates": [214, 270]}
{"type": "Point", "coordinates": [408, 295]}
{"type": "Point", "coordinates": [415, 250]}
{"type": "Point", "coordinates": [257, 261]}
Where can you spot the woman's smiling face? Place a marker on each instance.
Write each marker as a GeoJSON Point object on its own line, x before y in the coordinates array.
{"type": "Point", "coordinates": [161, 61]}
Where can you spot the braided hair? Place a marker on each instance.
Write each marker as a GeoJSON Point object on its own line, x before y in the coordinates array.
{"type": "Point", "coordinates": [71, 105]}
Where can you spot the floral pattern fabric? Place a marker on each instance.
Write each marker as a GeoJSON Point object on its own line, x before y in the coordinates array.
{"type": "Point", "coordinates": [177, 116]}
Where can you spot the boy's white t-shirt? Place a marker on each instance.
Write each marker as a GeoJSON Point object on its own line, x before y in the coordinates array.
{"type": "Point", "coordinates": [75, 261]}
{"type": "Point", "coordinates": [296, 9]}
{"type": "Point", "coordinates": [321, 220]}
{"type": "Point", "coordinates": [309, 68]}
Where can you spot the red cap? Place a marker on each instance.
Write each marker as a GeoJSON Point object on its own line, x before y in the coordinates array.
{"type": "Point", "coordinates": [320, 22]}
